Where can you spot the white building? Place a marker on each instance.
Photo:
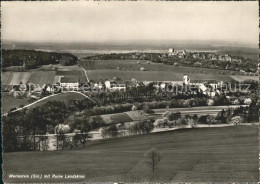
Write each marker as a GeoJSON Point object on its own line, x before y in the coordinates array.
{"type": "Point", "coordinates": [70, 85]}
{"type": "Point", "coordinates": [171, 51]}
{"type": "Point", "coordinates": [186, 79]}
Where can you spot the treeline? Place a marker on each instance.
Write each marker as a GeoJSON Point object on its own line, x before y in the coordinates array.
{"type": "Point", "coordinates": [32, 59]}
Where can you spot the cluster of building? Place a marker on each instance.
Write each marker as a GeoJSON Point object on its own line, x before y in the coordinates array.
{"type": "Point", "coordinates": [202, 56]}
{"type": "Point", "coordinates": [178, 53]}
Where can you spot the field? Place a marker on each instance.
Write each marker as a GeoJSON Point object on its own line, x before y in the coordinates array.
{"type": "Point", "coordinates": [127, 69]}
{"type": "Point", "coordinates": [227, 154]}
{"type": "Point", "coordinates": [159, 76]}
{"type": "Point", "coordinates": [11, 102]}
{"type": "Point", "coordinates": [41, 77]}
{"type": "Point", "coordinates": [63, 97]}
{"type": "Point", "coordinates": [133, 66]}
{"type": "Point", "coordinates": [36, 77]}
{"type": "Point", "coordinates": [72, 76]}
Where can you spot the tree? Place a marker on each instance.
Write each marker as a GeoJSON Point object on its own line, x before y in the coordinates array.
{"type": "Point", "coordinates": [195, 118]}
{"type": "Point", "coordinates": [173, 116]}
{"type": "Point", "coordinates": [152, 158]}
{"type": "Point", "coordinates": [222, 116]}
{"type": "Point", "coordinates": [10, 138]}
{"type": "Point", "coordinates": [60, 140]}
{"type": "Point", "coordinates": [202, 119]}
{"type": "Point", "coordinates": [110, 131]}
{"type": "Point", "coordinates": [210, 119]}
{"type": "Point", "coordinates": [81, 137]}
{"type": "Point", "coordinates": [161, 122]}
{"type": "Point", "coordinates": [146, 108]}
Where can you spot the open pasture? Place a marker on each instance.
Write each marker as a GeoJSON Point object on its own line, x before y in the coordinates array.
{"type": "Point", "coordinates": [152, 75]}
{"type": "Point", "coordinates": [226, 154]}
{"type": "Point", "coordinates": [132, 65]}
{"type": "Point", "coordinates": [60, 97]}
{"type": "Point", "coordinates": [127, 69]}
{"type": "Point", "coordinates": [9, 102]}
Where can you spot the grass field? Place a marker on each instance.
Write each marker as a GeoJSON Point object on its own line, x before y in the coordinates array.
{"type": "Point", "coordinates": [9, 102]}
{"type": "Point", "coordinates": [156, 75]}
{"type": "Point", "coordinates": [227, 154]}
{"type": "Point", "coordinates": [133, 66]}
{"type": "Point", "coordinates": [107, 69]}
{"type": "Point", "coordinates": [61, 97]}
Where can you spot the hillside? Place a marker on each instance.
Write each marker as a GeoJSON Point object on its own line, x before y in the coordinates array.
{"type": "Point", "coordinates": [11, 102]}
{"type": "Point", "coordinates": [227, 154]}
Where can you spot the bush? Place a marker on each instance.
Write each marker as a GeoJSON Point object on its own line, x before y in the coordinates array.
{"type": "Point", "coordinates": [236, 120]}
{"type": "Point", "coordinates": [210, 102]}
{"type": "Point", "coordinates": [161, 122]}
{"type": "Point", "coordinates": [17, 94]}
{"type": "Point", "coordinates": [142, 127]}
{"type": "Point", "coordinates": [247, 101]}
{"type": "Point", "coordinates": [110, 131]}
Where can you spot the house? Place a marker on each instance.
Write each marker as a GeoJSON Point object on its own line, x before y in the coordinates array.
{"type": "Point", "coordinates": [171, 51]}
{"type": "Point", "coordinates": [70, 85]}
{"type": "Point", "coordinates": [196, 56]}
{"type": "Point", "coordinates": [207, 87]}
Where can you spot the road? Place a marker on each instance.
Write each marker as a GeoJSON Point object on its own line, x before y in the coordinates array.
{"type": "Point", "coordinates": [204, 110]}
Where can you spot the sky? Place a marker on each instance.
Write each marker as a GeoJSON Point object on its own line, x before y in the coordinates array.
{"type": "Point", "coordinates": [120, 21]}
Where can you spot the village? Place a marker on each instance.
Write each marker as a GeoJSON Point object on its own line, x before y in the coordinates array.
{"type": "Point", "coordinates": [130, 92]}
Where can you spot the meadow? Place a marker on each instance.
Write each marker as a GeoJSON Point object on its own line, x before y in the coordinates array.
{"type": "Point", "coordinates": [160, 76]}
{"type": "Point", "coordinates": [226, 154]}
{"type": "Point", "coordinates": [127, 69]}
{"type": "Point", "coordinates": [11, 102]}
{"type": "Point", "coordinates": [132, 65]}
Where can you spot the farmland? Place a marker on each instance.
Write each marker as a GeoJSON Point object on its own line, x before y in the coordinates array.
{"type": "Point", "coordinates": [227, 154]}
{"type": "Point", "coordinates": [61, 97]}
{"type": "Point", "coordinates": [42, 77]}
{"type": "Point", "coordinates": [159, 76]}
{"type": "Point", "coordinates": [36, 77]}
{"type": "Point", "coordinates": [11, 102]}
{"type": "Point", "coordinates": [132, 65]}
{"type": "Point", "coordinates": [71, 75]}
{"type": "Point", "coordinates": [127, 69]}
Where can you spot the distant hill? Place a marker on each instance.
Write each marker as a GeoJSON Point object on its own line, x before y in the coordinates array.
{"type": "Point", "coordinates": [32, 58]}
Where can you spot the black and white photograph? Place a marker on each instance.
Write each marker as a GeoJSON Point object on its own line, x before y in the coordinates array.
{"type": "Point", "coordinates": [130, 92]}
